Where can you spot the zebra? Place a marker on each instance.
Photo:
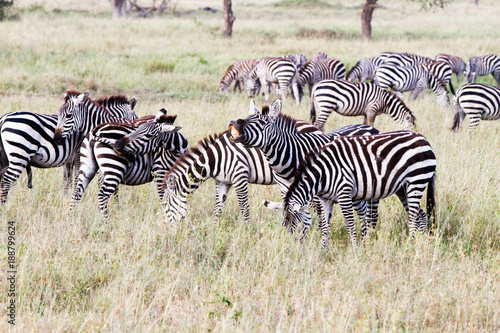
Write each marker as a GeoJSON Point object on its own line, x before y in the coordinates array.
{"type": "Point", "coordinates": [27, 139]}
{"type": "Point", "coordinates": [442, 71]}
{"type": "Point", "coordinates": [478, 101]}
{"type": "Point", "coordinates": [275, 134]}
{"type": "Point", "coordinates": [103, 151]}
{"type": "Point", "coordinates": [229, 163]}
{"type": "Point", "coordinates": [481, 66]}
{"type": "Point", "coordinates": [299, 59]}
{"type": "Point", "coordinates": [319, 70]}
{"type": "Point", "coordinates": [367, 168]}
{"type": "Point", "coordinates": [357, 99]}
{"type": "Point", "coordinates": [319, 56]}
{"type": "Point", "coordinates": [364, 69]}
{"type": "Point", "coordinates": [414, 79]}
{"type": "Point", "coordinates": [281, 70]}
{"type": "Point", "coordinates": [457, 64]}
{"type": "Point", "coordinates": [238, 72]}
{"type": "Point", "coordinates": [406, 59]}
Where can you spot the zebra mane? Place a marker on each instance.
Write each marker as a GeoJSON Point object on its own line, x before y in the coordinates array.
{"type": "Point", "coordinates": [195, 150]}
{"type": "Point", "coordinates": [118, 99]}
{"type": "Point", "coordinates": [71, 93]}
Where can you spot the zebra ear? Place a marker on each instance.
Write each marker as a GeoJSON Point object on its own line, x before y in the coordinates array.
{"type": "Point", "coordinates": [133, 102]}
{"type": "Point", "coordinates": [170, 128]}
{"type": "Point", "coordinates": [275, 109]}
{"type": "Point", "coordinates": [252, 109]}
{"type": "Point", "coordinates": [161, 116]}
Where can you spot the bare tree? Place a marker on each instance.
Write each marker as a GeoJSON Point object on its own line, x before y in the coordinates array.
{"type": "Point", "coordinates": [119, 8]}
{"type": "Point", "coordinates": [370, 5]}
{"type": "Point", "coordinates": [228, 18]}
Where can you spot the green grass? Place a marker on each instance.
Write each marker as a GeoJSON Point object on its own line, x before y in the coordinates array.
{"type": "Point", "coordinates": [139, 274]}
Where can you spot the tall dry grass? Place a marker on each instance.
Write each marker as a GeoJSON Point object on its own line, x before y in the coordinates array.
{"type": "Point", "coordinates": [138, 274]}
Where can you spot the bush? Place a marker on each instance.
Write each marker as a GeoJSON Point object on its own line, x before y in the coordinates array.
{"type": "Point", "coordinates": [4, 7]}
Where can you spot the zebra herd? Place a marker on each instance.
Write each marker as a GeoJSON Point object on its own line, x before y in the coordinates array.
{"type": "Point", "coordinates": [391, 71]}
{"type": "Point", "coordinates": [354, 166]}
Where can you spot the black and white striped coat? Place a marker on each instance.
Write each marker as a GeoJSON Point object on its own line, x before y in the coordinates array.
{"type": "Point", "coordinates": [457, 64]}
{"type": "Point", "coordinates": [357, 99]}
{"type": "Point", "coordinates": [239, 72]}
{"type": "Point", "coordinates": [406, 59]}
{"type": "Point", "coordinates": [316, 71]}
{"type": "Point", "coordinates": [442, 71]}
{"type": "Point", "coordinates": [482, 66]}
{"type": "Point", "coordinates": [281, 71]}
{"type": "Point", "coordinates": [414, 79]}
{"type": "Point", "coordinates": [104, 151]}
{"type": "Point", "coordinates": [27, 139]}
{"type": "Point", "coordinates": [276, 135]}
{"type": "Point", "coordinates": [479, 102]}
{"type": "Point", "coordinates": [228, 163]}
{"type": "Point", "coordinates": [364, 69]}
{"type": "Point", "coordinates": [367, 168]}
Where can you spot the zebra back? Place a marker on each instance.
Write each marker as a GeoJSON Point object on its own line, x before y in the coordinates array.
{"type": "Point", "coordinates": [406, 59]}
{"type": "Point", "coordinates": [481, 66]}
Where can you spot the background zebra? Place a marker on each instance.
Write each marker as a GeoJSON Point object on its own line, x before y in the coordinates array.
{"type": "Point", "coordinates": [319, 56]}
{"type": "Point", "coordinates": [478, 101]}
{"type": "Point", "coordinates": [457, 64]}
{"type": "Point", "coordinates": [442, 71]}
{"type": "Point", "coordinates": [299, 59]}
{"type": "Point", "coordinates": [365, 168]}
{"type": "Point", "coordinates": [364, 69]}
{"type": "Point", "coordinates": [316, 71]}
{"type": "Point", "coordinates": [281, 70]}
{"type": "Point", "coordinates": [414, 79]}
{"type": "Point", "coordinates": [228, 163]}
{"type": "Point", "coordinates": [163, 147]}
{"type": "Point", "coordinates": [357, 99]}
{"type": "Point", "coordinates": [27, 139]}
{"type": "Point", "coordinates": [275, 134]}
{"type": "Point", "coordinates": [481, 66]}
{"type": "Point", "coordinates": [406, 59]}
{"type": "Point", "coordinates": [239, 72]}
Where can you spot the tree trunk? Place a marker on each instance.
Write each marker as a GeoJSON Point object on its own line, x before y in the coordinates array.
{"type": "Point", "coordinates": [476, 2]}
{"type": "Point", "coordinates": [366, 18]}
{"type": "Point", "coordinates": [119, 8]}
{"type": "Point", "coordinates": [228, 18]}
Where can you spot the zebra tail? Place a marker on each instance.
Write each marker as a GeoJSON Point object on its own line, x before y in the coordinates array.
{"type": "Point", "coordinates": [313, 111]}
{"type": "Point", "coordinates": [457, 117]}
{"type": "Point", "coordinates": [431, 203]}
{"type": "Point", "coordinates": [451, 88]}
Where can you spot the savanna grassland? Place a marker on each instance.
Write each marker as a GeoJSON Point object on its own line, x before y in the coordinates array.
{"type": "Point", "coordinates": [75, 273]}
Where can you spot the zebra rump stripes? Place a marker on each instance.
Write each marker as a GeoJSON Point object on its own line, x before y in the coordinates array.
{"type": "Point", "coordinates": [357, 99]}
{"type": "Point", "coordinates": [364, 168]}
{"type": "Point", "coordinates": [478, 101]}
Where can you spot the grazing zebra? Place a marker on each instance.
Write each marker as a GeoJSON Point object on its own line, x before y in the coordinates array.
{"type": "Point", "coordinates": [478, 101]}
{"type": "Point", "coordinates": [414, 79]}
{"type": "Point", "coordinates": [103, 152]}
{"type": "Point", "coordinates": [27, 139]}
{"type": "Point", "coordinates": [367, 168]}
{"type": "Point", "coordinates": [281, 70]}
{"type": "Point", "coordinates": [364, 69]}
{"type": "Point", "coordinates": [357, 99]}
{"type": "Point", "coordinates": [457, 64]}
{"type": "Point", "coordinates": [238, 72]}
{"type": "Point", "coordinates": [229, 163]}
{"type": "Point", "coordinates": [275, 134]}
{"type": "Point", "coordinates": [406, 59]}
{"type": "Point", "coordinates": [442, 71]}
{"type": "Point", "coordinates": [319, 70]}
{"type": "Point", "coordinates": [481, 66]}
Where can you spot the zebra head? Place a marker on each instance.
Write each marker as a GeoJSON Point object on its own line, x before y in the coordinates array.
{"type": "Point", "coordinates": [293, 214]}
{"type": "Point", "coordinates": [68, 118]}
{"type": "Point", "coordinates": [174, 203]}
{"type": "Point", "coordinates": [254, 130]}
{"type": "Point", "coordinates": [439, 87]}
{"type": "Point", "coordinates": [160, 133]}
{"type": "Point", "coordinates": [470, 72]}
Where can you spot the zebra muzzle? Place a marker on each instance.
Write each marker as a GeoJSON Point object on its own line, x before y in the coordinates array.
{"type": "Point", "coordinates": [235, 132]}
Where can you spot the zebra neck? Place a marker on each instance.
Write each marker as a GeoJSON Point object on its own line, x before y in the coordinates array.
{"type": "Point", "coordinates": [97, 115]}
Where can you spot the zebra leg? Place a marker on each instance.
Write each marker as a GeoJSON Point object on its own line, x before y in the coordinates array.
{"type": "Point", "coordinates": [372, 213]}
{"type": "Point", "coordinates": [370, 117]}
{"type": "Point", "coordinates": [109, 186]}
{"type": "Point", "coordinates": [345, 203]}
{"type": "Point", "coordinates": [87, 170]}
{"type": "Point", "coordinates": [241, 188]}
{"type": "Point", "coordinates": [474, 121]}
{"type": "Point", "coordinates": [12, 173]}
{"type": "Point", "coordinates": [100, 181]}
{"type": "Point", "coordinates": [263, 83]}
{"type": "Point", "coordinates": [325, 222]}
{"type": "Point", "coordinates": [221, 191]}
{"type": "Point", "coordinates": [417, 221]}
